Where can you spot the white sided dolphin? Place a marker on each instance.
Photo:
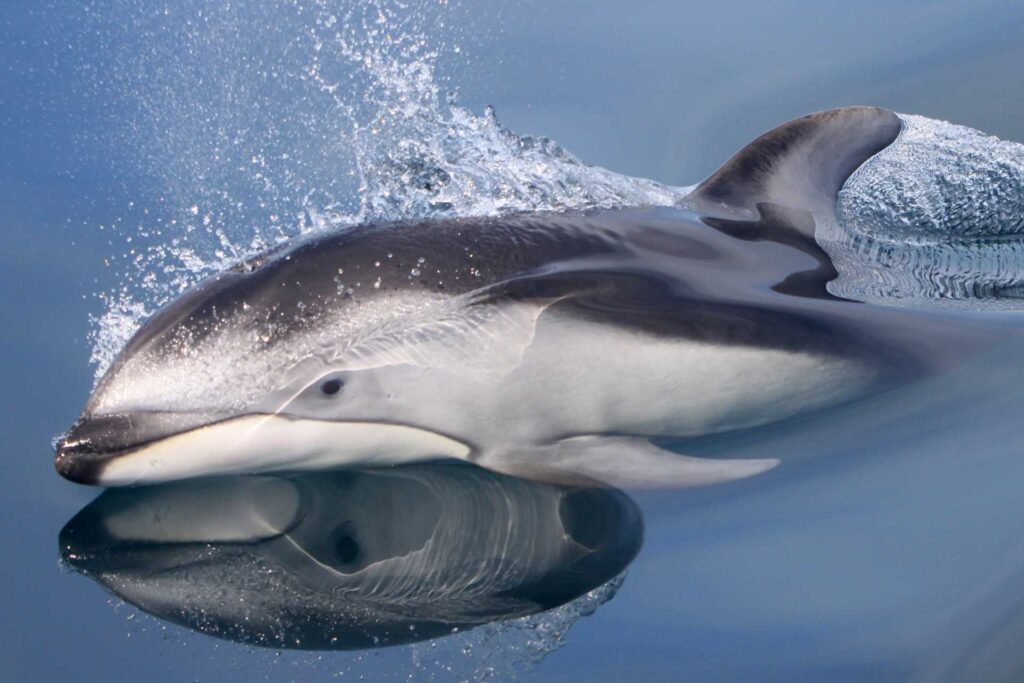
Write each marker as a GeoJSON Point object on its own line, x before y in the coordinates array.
{"type": "Point", "coordinates": [551, 346]}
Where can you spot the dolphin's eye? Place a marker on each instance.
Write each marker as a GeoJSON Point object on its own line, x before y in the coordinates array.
{"type": "Point", "coordinates": [331, 386]}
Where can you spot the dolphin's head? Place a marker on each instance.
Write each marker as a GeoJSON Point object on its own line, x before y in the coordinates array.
{"type": "Point", "coordinates": [275, 364]}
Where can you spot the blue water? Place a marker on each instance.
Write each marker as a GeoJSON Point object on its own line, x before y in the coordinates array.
{"type": "Point", "coordinates": [886, 547]}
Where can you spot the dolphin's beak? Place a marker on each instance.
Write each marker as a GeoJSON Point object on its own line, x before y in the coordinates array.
{"type": "Point", "coordinates": [94, 441]}
{"type": "Point", "coordinates": [150, 447]}
{"type": "Point", "coordinates": [84, 450]}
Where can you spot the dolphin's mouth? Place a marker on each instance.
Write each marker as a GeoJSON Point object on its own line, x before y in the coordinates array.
{"type": "Point", "coordinates": [93, 442]}
{"type": "Point", "coordinates": [145, 448]}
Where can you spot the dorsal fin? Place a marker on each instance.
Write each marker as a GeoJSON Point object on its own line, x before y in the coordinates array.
{"type": "Point", "coordinates": [801, 164]}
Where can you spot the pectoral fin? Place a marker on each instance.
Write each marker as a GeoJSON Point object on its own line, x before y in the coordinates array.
{"type": "Point", "coordinates": [625, 462]}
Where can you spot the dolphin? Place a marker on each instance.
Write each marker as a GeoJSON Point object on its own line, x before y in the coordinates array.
{"type": "Point", "coordinates": [553, 346]}
{"type": "Point", "coordinates": [352, 559]}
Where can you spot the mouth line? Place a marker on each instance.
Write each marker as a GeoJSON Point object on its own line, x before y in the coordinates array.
{"type": "Point", "coordinates": [84, 446]}
{"type": "Point", "coordinates": [84, 465]}
{"type": "Point", "coordinates": [82, 462]}
{"type": "Point", "coordinates": [229, 446]}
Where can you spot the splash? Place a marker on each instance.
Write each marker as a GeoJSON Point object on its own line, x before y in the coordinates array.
{"type": "Point", "coordinates": [936, 218]}
{"type": "Point", "coordinates": [264, 122]}
{"type": "Point", "coordinates": [268, 122]}
{"type": "Point", "coordinates": [939, 180]}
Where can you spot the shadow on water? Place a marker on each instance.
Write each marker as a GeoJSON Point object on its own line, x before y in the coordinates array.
{"type": "Point", "coordinates": [352, 560]}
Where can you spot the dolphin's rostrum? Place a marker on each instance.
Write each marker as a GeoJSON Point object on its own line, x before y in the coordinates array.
{"type": "Point", "coordinates": [550, 346]}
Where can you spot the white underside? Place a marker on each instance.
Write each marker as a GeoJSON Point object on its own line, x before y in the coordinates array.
{"type": "Point", "coordinates": [268, 443]}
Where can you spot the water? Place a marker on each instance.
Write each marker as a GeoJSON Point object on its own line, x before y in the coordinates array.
{"type": "Point", "coordinates": [146, 146]}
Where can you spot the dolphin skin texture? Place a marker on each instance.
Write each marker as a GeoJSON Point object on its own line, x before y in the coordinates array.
{"type": "Point", "coordinates": [549, 346]}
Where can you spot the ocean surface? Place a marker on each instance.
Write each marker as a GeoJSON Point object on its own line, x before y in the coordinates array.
{"type": "Point", "coordinates": [146, 145]}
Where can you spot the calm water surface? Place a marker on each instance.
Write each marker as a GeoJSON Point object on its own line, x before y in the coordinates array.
{"type": "Point", "coordinates": [888, 545]}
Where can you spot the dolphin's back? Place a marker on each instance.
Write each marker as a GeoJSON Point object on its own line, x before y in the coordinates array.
{"type": "Point", "coordinates": [289, 289]}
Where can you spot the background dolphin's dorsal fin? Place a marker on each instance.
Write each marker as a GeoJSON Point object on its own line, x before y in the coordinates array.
{"type": "Point", "coordinates": [801, 164]}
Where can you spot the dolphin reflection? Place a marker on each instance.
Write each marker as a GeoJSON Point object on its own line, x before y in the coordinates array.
{"type": "Point", "coordinates": [352, 559]}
